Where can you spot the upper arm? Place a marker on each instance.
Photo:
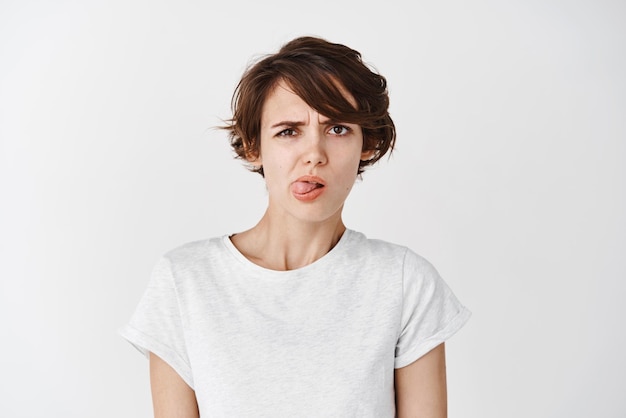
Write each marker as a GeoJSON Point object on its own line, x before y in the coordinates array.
{"type": "Point", "coordinates": [171, 396]}
{"type": "Point", "coordinates": [421, 386]}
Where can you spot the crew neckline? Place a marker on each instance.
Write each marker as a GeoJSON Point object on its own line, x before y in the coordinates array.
{"type": "Point", "coordinates": [347, 236]}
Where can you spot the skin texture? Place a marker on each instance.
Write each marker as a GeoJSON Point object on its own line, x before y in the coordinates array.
{"type": "Point", "coordinates": [421, 387]}
{"type": "Point", "coordinates": [297, 142]}
{"type": "Point", "coordinates": [171, 396]}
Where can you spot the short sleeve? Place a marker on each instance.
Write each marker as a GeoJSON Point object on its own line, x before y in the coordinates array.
{"type": "Point", "coordinates": [156, 324]}
{"type": "Point", "coordinates": [431, 313]}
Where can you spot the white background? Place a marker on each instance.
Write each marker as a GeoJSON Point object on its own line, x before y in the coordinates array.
{"type": "Point", "coordinates": [509, 176]}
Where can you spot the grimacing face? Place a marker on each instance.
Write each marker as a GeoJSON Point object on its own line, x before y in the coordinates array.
{"type": "Point", "coordinates": [310, 162]}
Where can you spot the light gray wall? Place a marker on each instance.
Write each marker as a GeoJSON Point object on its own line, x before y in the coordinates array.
{"type": "Point", "coordinates": [509, 176]}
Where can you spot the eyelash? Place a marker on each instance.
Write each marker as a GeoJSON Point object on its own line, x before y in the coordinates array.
{"type": "Point", "coordinates": [291, 131]}
{"type": "Point", "coordinates": [284, 132]}
{"type": "Point", "coordinates": [347, 130]}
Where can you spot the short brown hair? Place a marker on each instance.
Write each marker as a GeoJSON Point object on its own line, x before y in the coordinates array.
{"type": "Point", "coordinates": [313, 68]}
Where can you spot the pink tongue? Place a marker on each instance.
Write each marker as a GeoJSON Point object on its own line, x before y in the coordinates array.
{"type": "Point", "coordinates": [302, 187]}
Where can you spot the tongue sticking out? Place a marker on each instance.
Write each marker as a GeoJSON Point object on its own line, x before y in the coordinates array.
{"type": "Point", "coordinates": [302, 187]}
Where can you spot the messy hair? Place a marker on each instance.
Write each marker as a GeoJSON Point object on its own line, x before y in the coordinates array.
{"type": "Point", "coordinates": [319, 72]}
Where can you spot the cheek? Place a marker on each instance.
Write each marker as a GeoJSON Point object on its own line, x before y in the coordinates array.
{"type": "Point", "coordinates": [274, 161]}
{"type": "Point", "coordinates": [350, 168]}
{"type": "Point", "coordinates": [275, 168]}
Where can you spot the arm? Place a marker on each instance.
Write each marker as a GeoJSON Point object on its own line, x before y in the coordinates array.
{"type": "Point", "coordinates": [171, 396]}
{"type": "Point", "coordinates": [421, 387]}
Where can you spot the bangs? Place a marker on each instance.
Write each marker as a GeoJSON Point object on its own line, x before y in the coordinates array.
{"type": "Point", "coordinates": [320, 88]}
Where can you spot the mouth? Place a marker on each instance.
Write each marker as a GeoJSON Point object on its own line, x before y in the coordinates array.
{"type": "Point", "coordinates": [307, 188]}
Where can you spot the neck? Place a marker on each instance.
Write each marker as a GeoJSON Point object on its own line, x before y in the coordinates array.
{"type": "Point", "coordinates": [278, 244]}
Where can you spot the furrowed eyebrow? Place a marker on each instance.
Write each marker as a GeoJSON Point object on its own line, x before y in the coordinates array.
{"type": "Point", "coordinates": [286, 123]}
{"type": "Point", "coordinates": [293, 124]}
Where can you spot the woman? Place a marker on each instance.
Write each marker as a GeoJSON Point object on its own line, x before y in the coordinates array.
{"type": "Point", "coordinates": [300, 316]}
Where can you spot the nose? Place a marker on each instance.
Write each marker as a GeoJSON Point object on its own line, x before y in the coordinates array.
{"type": "Point", "coordinates": [315, 152]}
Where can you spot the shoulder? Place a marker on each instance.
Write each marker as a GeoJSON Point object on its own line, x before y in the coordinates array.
{"type": "Point", "coordinates": [189, 257]}
{"type": "Point", "coordinates": [380, 248]}
{"type": "Point", "coordinates": [359, 242]}
{"type": "Point", "coordinates": [194, 264]}
{"type": "Point", "coordinates": [382, 252]}
{"type": "Point", "coordinates": [194, 250]}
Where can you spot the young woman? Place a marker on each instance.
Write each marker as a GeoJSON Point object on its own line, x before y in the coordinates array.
{"type": "Point", "coordinates": [300, 316]}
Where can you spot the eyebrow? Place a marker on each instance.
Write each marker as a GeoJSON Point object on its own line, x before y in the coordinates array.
{"type": "Point", "coordinates": [291, 123]}
{"type": "Point", "coordinates": [287, 123]}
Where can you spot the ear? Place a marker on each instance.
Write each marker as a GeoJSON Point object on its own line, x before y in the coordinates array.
{"type": "Point", "coordinates": [254, 160]}
{"type": "Point", "coordinates": [366, 155]}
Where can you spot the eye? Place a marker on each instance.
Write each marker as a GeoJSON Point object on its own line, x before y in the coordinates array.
{"type": "Point", "coordinates": [287, 132]}
{"type": "Point", "coordinates": [340, 130]}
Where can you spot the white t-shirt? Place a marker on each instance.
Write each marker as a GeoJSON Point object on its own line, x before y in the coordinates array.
{"type": "Point", "coordinates": [319, 341]}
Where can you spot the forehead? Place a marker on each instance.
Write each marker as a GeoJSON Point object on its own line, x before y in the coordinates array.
{"type": "Point", "coordinates": [282, 100]}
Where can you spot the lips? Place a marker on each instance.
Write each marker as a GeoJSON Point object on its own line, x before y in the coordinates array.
{"type": "Point", "coordinates": [302, 187]}
{"type": "Point", "coordinates": [307, 188]}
